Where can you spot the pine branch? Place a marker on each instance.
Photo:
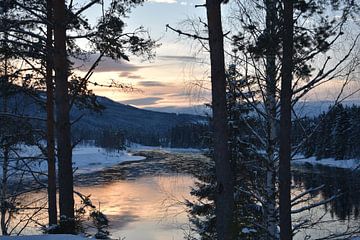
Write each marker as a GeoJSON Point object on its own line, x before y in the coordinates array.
{"type": "Point", "coordinates": [186, 34]}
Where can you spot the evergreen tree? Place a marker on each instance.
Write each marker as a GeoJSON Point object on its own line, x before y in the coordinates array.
{"type": "Point", "coordinates": [247, 164]}
{"type": "Point", "coordinates": [341, 134]}
{"type": "Point", "coordinates": [336, 134]}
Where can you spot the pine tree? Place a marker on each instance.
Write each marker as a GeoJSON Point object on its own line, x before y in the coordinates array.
{"type": "Point", "coordinates": [341, 134]}
{"type": "Point", "coordinates": [247, 164]}
{"type": "Point", "coordinates": [224, 195]}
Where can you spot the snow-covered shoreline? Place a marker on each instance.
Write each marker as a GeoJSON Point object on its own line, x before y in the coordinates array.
{"type": "Point", "coordinates": [85, 158]}
{"type": "Point", "coordinates": [90, 159]}
{"type": "Point", "coordinates": [44, 237]}
{"type": "Point", "coordinates": [351, 164]}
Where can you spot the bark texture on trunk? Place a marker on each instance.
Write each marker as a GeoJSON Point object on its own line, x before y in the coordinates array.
{"type": "Point", "coordinates": [63, 128]}
{"type": "Point", "coordinates": [285, 123]}
{"type": "Point", "coordinates": [4, 187]}
{"type": "Point", "coordinates": [225, 190]}
{"type": "Point", "coordinates": [50, 121]}
{"type": "Point", "coordinates": [6, 153]}
{"type": "Point", "coordinates": [270, 98]}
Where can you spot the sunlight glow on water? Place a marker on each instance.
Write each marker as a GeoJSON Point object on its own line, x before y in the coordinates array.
{"type": "Point", "coordinates": [151, 208]}
{"type": "Point", "coordinates": [146, 208]}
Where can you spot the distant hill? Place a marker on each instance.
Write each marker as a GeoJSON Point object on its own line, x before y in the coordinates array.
{"type": "Point", "coordinates": [131, 119]}
{"type": "Point", "coordinates": [315, 108]}
{"type": "Point", "coordinates": [135, 122]}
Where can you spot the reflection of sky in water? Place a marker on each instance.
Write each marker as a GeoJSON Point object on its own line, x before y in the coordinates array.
{"type": "Point", "coordinates": [149, 208]}
{"type": "Point", "coordinates": [145, 208]}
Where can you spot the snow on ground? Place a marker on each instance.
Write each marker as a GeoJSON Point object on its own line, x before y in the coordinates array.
{"type": "Point", "coordinates": [85, 158]}
{"type": "Point", "coordinates": [353, 164]}
{"type": "Point", "coordinates": [89, 159]}
{"type": "Point", "coordinates": [44, 237]}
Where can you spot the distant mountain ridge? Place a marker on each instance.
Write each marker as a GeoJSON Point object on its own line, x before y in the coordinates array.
{"type": "Point", "coordinates": [136, 121]}
{"type": "Point", "coordinates": [117, 116]}
{"type": "Point", "coordinates": [315, 108]}
{"type": "Point", "coordinates": [131, 119]}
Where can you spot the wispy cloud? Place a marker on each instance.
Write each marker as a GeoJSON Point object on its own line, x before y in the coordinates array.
{"type": "Point", "coordinates": [152, 84]}
{"type": "Point", "coordinates": [178, 58]}
{"type": "Point", "coordinates": [195, 109]}
{"type": "Point", "coordinates": [142, 101]}
{"type": "Point", "coordinates": [105, 65]}
{"type": "Point", "coordinates": [163, 1]}
{"type": "Point", "coordinates": [130, 75]}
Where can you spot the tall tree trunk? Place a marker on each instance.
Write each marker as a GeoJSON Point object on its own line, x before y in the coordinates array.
{"type": "Point", "coordinates": [52, 208]}
{"type": "Point", "coordinates": [5, 166]}
{"type": "Point", "coordinates": [225, 190]}
{"type": "Point", "coordinates": [4, 190]}
{"type": "Point", "coordinates": [285, 122]}
{"type": "Point", "coordinates": [63, 133]}
{"type": "Point", "coordinates": [270, 214]}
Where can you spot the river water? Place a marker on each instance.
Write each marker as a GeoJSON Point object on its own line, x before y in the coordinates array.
{"type": "Point", "coordinates": [151, 207]}
{"type": "Point", "coordinates": [146, 208]}
{"type": "Point", "coordinates": [340, 215]}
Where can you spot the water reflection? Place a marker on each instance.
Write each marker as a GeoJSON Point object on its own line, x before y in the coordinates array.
{"type": "Point", "coordinates": [145, 208]}
{"type": "Point", "coordinates": [151, 207]}
{"type": "Point", "coordinates": [335, 181]}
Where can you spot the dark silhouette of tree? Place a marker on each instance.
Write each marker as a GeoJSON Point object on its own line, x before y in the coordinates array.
{"type": "Point", "coordinates": [188, 135]}
{"type": "Point", "coordinates": [341, 134]}
{"type": "Point", "coordinates": [224, 196]}
{"type": "Point", "coordinates": [63, 127]}
{"type": "Point", "coordinates": [112, 139]}
{"type": "Point", "coordinates": [50, 124]}
{"type": "Point", "coordinates": [285, 122]}
{"type": "Point", "coordinates": [246, 163]}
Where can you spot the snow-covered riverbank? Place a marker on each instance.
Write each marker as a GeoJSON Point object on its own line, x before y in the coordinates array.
{"type": "Point", "coordinates": [45, 237]}
{"type": "Point", "coordinates": [85, 158]}
{"type": "Point", "coordinates": [351, 164]}
{"type": "Point", "coordinates": [89, 159]}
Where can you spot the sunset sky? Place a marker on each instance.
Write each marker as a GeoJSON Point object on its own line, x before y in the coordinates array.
{"type": "Point", "coordinates": [170, 82]}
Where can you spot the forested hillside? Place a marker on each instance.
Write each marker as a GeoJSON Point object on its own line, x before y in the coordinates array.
{"type": "Point", "coordinates": [138, 125]}
{"type": "Point", "coordinates": [332, 134]}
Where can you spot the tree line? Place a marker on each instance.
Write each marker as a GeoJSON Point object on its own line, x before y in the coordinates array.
{"type": "Point", "coordinates": [336, 133]}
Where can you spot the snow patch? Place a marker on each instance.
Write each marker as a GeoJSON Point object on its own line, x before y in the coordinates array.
{"type": "Point", "coordinates": [248, 230]}
{"type": "Point", "coordinates": [353, 164]}
{"type": "Point", "coordinates": [85, 158]}
{"type": "Point", "coordinates": [90, 159]}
